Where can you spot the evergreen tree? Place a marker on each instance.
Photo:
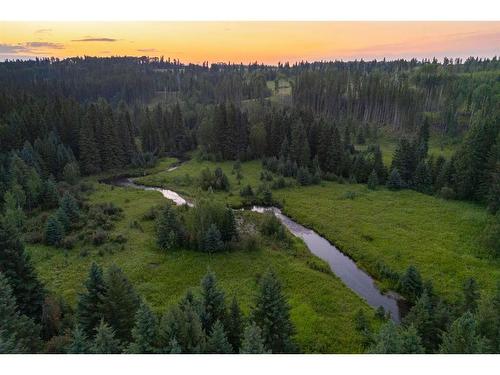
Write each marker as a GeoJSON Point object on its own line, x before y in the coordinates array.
{"type": "Point", "coordinates": [217, 342]}
{"type": "Point", "coordinates": [70, 207]}
{"type": "Point", "coordinates": [423, 178]}
{"type": "Point", "coordinates": [234, 325]}
{"type": "Point", "coordinates": [54, 231]}
{"type": "Point", "coordinates": [18, 333]}
{"type": "Point", "coordinates": [105, 341]}
{"type": "Point", "coordinates": [405, 161]}
{"type": "Point", "coordinates": [394, 182]}
{"type": "Point", "coordinates": [299, 146]}
{"type": "Point", "coordinates": [272, 314]}
{"type": "Point", "coordinates": [213, 302]}
{"type": "Point", "coordinates": [411, 343]}
{"type": "Point", "coordinates": [489, 320]}
{"type": "Point", "coordinates": [120, 303]}
{"type": "Point", "coordinates": [253, 342]}
{"type": "Point", "coordinates": [145, 331]}
{"type": "Point", "coordinates": [50, 196]}
{"type": "Point", "coordinates": [471, 295]}
{"type": "Point", "coordinates": [212, 241]}
{"type": "Point", "coordinates": [90, 159]}
{"type": "Point", "coordinates": [411, 284]}
{"type": "Point", "coordinates": [168, 229]}
{"type": "Point", "coordinates": [79, 343]}
{"type": "Point", "coordinates": [15, 264]}
{"type": "Point", "coordinates": [388, 340]}
{"type": "Point", "coordinates": [373, 180]}
{"type": "Point", "coordinates": [463, 337]}
{"type": "Point", "coordinates": [90, 307]}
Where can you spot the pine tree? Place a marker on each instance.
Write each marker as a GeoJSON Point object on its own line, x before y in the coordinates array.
{"type": "Point", "coordinates": [15, 264]}
{"type": "Point", "coordinates": [411, 284]}
{"type": "Point", "coordinates": [253, 342]}
{"type": "Point", "coordinates": [192, 338]}
{"type": "Point", "coordinates": [168, 229]}
{"type": "Point", "coordinates": [54, 231]}
{"type": "Point", "coordinates": [272, 314]}
{"type": "Point", "coordinates": [18, 333]}
{"type": "Point", "coordinates": [234, 325]}
{"type": "Point", "coordinates": [217, 342]}
{"type": "Point", "coordinates": [213, 302]}
{"type": "Point", "coordinates": [90, 159]}
{"type": "Point", "coordinates": [463, 337]}
{"type": "Point", "coordinates": [411, 343]}
{"type": "Point", "coordinates": [212, 241]}
{"type": "Point", "coordinates": [120, 303]}
{"type": "Point", "coordinates": [373, 180]}
{"type": "Point", "coordinates": [471, 295]}
{"type": "Point", "coordinates": [50, 196]}
{"type": "Point", "coordinates": [105, 341]}
{"type": "Point", "coordinates": [388, 340]}
{"type": "Point", "coordinates": [70, 207]}
{"type": "Point", "coordinates": [145, 332]}
{"type": "Point", "coordinates": [423, 178]}
{"type": "Point", "coordinates": [299, 145]}
{"type": "Point", "coordinates": [90, 307]}
{"type": "Point", "coordinates": [79, 343]}
{"type": "Point", "coordinates": [394, 182]}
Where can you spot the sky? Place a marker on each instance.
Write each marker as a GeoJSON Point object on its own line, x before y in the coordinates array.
{"type": "Point", "coordinates": [246, 42]}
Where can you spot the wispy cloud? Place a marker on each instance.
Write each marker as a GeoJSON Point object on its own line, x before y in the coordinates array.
{"type": "Point", "coordinates": [49, 45]}
{"type": "Point", "coordinates": [43, 31]}
{"type": "Point", "coordinates": [12, 48]}
{"type": "Point", "coordinates": [147, 50]}
{"type": "Point", "coordinates": [95, 40]}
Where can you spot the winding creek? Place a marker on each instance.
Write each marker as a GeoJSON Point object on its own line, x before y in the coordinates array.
{"type": "Point", "coordinates": [341, 265]}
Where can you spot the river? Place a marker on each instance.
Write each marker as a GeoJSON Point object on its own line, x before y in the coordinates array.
{"type": "Point", "coordinates": [341, 265]}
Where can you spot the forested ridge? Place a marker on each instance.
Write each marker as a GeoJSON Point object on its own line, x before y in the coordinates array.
{"type": "Point", "coordinates": [61, 120]}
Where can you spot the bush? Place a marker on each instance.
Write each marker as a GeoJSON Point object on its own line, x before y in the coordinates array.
{"type": "Point", "coordinates": [119, 238]}
{"type": "Point", "coordinates": [272, 227]}
{"type": "Point", "coordinates": [54, 231]}
{"type": "Point", "coordinates": [99, 237]}
{"type": "Point", "coordinates": [246, 191]}
{"type": "Point", "coordinates": [447, 193]}
{"type": "Point", "coordinates": [216, 181]}
{"type": "Point", "coordinates": [68, 242]}
{"type": "Point", "coordinates": [395, 182]}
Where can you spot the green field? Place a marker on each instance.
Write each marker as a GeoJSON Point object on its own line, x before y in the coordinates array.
{"type": "Point", "coordinates": [396, 229]}
{"type": "Point", "coordinates": [322, 307]}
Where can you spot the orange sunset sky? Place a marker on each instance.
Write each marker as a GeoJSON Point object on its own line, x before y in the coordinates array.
{"type": "Point", "coordinates": [267, 42]}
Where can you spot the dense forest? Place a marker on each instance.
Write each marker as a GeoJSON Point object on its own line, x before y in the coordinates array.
{"type": "Point", "coordinates": [64, 120]}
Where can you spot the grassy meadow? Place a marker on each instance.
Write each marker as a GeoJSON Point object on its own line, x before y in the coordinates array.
{"type": "Point", "coordinates": [396, 229]}
{"type": "Point", "coordinates": [322, 308]}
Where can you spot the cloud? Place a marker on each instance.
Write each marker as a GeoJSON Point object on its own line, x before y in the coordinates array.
{"type": "Point", "coordinates": [147, 50]}
{"type": "Point", "coordinates": [12, 48]}
{"type": "Point", "coordinates": [95, 40]}
{"type": "Point", "coordinates": [43, 31]}
{"type": "Point", "coordinates": [49, 45]}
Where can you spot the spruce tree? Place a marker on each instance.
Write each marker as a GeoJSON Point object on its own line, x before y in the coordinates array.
{"type": "Point", "coordinates": [272, 314]}
{"type": "Point", "coordinates": [70, 207]}
{"type": "Point", "coordinates": [79, 343]}
{"type": "Point", "coordinates": [411, 343]}
{"type": "Point", "coordinates": [388, 340]}
{"type": "Point", "coordinates": [168, 229]}
{"type": "Point", "coordinates": [423, 178]}
{"type": "Point", "coordinates": [463, 337]}
{"type": "Point", "coordinates": [234, 325]}
{"type": "Point", "coordinates": [120, 303]}
{"type": "Point", "coordinates": [212, 301]}
{"type": "Point", "coordinates": [193, 338]}
{"type": "Point", "coordinates": [90, 159]}
{"type": "Point", "coordinates": [394, 182]}
{"type": "Point", "coordinates": [105, 341]}
{"type": "Point", "coordinates": [15, 264]}
{"type": "Point", "coordinates": [145, 332]}
{"type": "Point", "coordinates": [50, 196]}
{"type": "Point", "coordinates": [54, 231]}
{"type": "Point", "coordinates": [471, 295]}
{"type": "Point", "coordinates": [411, 284]}
{"type": "Point", "coordinates": [18, 333]}
{"type": "Point", "coordinates": [253, 342]}
{"type": "Point", "coordinates": [212, 241]}
{"type": "Point", "coordinates": [373, 180]}
{"type": "Point", "coordinates": [217, 342]}
{"type": "Point", "coordinates": [90, 307]}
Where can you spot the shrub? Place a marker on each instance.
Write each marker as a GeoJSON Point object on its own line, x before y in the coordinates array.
{"type": "Point", "coordinates": [272, 227]}
{"type": "Point", "coordinates": [246, 191]}
{"type": "Point", "coordinates": [216, 181]}
{"type": "Point", "coordinates": [395, 182]}
{"type": "Point", "coordinates": [68, 242]}
{"type": "Point", "coordinates": [99, 237]}
{"type": "Point", "coordinates": [447, 193]}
